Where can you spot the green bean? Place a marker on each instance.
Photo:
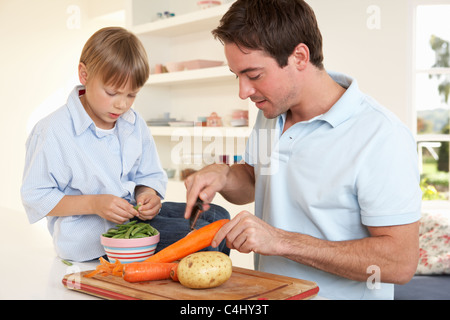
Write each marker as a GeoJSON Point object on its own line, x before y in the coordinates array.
{"type": "Point", "coordinates": [108, 235]}
{"type": "Point", "coordinates": [127, 234]}
{"type": "Point", "coordinates": [131, 230]}
{"type": "Point", "coordinates": [67, 262]}
{"type": "Point", "coordinates": [152, 231]}
{"type": "Point", "coordinates": [126, 225]}
{"type": "Point", "coordinates": [140, 235]}
{"type": "Point", "coordinates": [137, 229]}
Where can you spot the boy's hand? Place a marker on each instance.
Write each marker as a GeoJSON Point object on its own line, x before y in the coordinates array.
{"type": "Point", "coordinates": [149, 203]}
{"type": "Point", "coordinates": [114, 209]}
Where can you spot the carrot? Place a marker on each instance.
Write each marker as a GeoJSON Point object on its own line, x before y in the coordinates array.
{"type": "Point", "coordinates": [107, 268]}
{"type": "Point", "coordinates": [193, 242]}
{"type": "Point", "coordinates": [93, 273]}
{"type": "Point", "coordinates": [118, 269]}
{"type": "Point", "coordinates": [145, 271]}
{"type": "Point", "coordinates": [173, 272]}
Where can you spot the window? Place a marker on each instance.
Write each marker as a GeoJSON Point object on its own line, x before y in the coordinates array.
{"type": "Point", "coordinates": [432, 96]}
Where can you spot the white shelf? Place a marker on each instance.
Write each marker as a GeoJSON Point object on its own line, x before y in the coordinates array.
{"type": "Point", "coordinates": [183, 24]}
{"type": "Point", "coordinates": [236, 132]}
{"type": "Point", "coordinates": [188, 93]}
{"type": "Point", "coordinates": [191, 76]}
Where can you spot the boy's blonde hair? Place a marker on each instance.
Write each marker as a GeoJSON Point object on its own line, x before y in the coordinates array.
{"type": "Point", "coordinates": [116, 55]}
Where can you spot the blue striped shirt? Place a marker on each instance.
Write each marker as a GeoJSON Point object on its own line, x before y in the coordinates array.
{"type": "Point", "coordinates": [67, 155]}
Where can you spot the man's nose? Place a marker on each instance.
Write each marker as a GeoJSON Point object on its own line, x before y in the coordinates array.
{"type": "Point", "coordinates": [245, 89]}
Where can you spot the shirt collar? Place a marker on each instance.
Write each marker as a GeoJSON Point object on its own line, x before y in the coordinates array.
{"type": "Point", "coordinates": [82, 121]}
{"type": "Point", "coordinates": [282, 120]}
{"type": "Point", "coordinates": [80, 118]}
{"type": "Point", "coordinates": [344, 108]}
{"type": "Point", "coordinates": [129, 117]}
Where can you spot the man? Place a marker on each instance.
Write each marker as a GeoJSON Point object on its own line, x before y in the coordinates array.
{"type": "Point", "coordinates": [333, 174]}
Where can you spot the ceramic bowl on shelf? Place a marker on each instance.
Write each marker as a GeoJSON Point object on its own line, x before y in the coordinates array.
{"type": "Point", "coordinates": [181, 123]}
{"type": "Point", "coordinates": [192, 65]}
{"type": "Point", "coordinates": [239, 122]}
{"type": "Point", "coordinates": [174, 66]}
{"type": "Point", "coordinates": [239, 114]}
{"type": "Point", "coordinates": [208, 4]}
{"type": "Point", "coordinates": [201, 64]}
{"type": "Point", "coordinates": [129, 250]}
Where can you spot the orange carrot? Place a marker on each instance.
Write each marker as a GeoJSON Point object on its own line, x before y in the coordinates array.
{"type": "Point", "coordinates": [145, 271]}
{"type": "Point", "coordinates": [93, 273]}
{"type": "Point", "coordinates": [193, 242]}
{"type": "Point", "coordinates": [118, 269]}
{"type": "Point", "coordinates": [107, 268]}
{"type": "Point", "coordinates": [173, 272]}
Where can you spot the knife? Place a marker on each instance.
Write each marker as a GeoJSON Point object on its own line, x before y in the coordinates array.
{"type": "Point", "coordinates": [195, 214]}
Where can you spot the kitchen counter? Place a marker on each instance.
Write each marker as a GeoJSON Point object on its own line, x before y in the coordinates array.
{"type": "Point", "coordinates": [29, 268]}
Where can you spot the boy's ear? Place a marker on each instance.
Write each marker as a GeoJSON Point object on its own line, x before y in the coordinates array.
{"type": "Point", "coordinates": [82, 73]}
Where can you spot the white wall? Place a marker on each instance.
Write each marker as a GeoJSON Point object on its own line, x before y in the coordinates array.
{"type": "Point", "coordinates": [39, 55]}
{"type": "Point", "coordinates": [370, 40]}
{"type": "Point", "coordinates": [41, 44]}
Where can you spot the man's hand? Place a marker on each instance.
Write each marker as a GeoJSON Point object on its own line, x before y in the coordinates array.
{"type": "Point", "coordinates": [205, 184]}
{"type": "Point", "coordinates": [236, 184]}
{"type": "Point", "coordinates": [247, 233]}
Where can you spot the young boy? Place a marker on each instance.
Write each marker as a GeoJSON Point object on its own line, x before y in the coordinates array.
{"type": "Point", "coordinates": [89, 162]}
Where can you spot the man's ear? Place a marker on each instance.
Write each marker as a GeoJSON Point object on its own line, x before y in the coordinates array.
{"type": "Point", "coordinates": [82, 73]}
{"type": "Point", "coordinates": [301, 56]}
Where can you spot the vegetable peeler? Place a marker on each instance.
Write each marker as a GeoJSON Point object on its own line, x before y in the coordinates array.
{"type": "Point", "coordinates": [196, 211]}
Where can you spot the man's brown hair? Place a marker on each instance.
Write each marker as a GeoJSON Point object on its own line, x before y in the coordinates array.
{"type": "Point", "coordinates": [273, 26]}
{"type": "Point", "coordinates": [116, 55]}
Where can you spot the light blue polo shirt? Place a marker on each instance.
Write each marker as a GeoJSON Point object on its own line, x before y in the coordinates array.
{"type": "Point", "coordinates": [330, 177]}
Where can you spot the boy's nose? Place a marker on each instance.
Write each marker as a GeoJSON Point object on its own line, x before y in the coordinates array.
{"type": "Point", "coordinates": [121, 103]}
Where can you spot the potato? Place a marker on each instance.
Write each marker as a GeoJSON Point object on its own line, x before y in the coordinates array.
{"type": "Point", "coordinates": [205, 269]}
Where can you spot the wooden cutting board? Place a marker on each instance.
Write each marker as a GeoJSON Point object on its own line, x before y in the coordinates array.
{"type": "Point", "coordinates": [244, 284]}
